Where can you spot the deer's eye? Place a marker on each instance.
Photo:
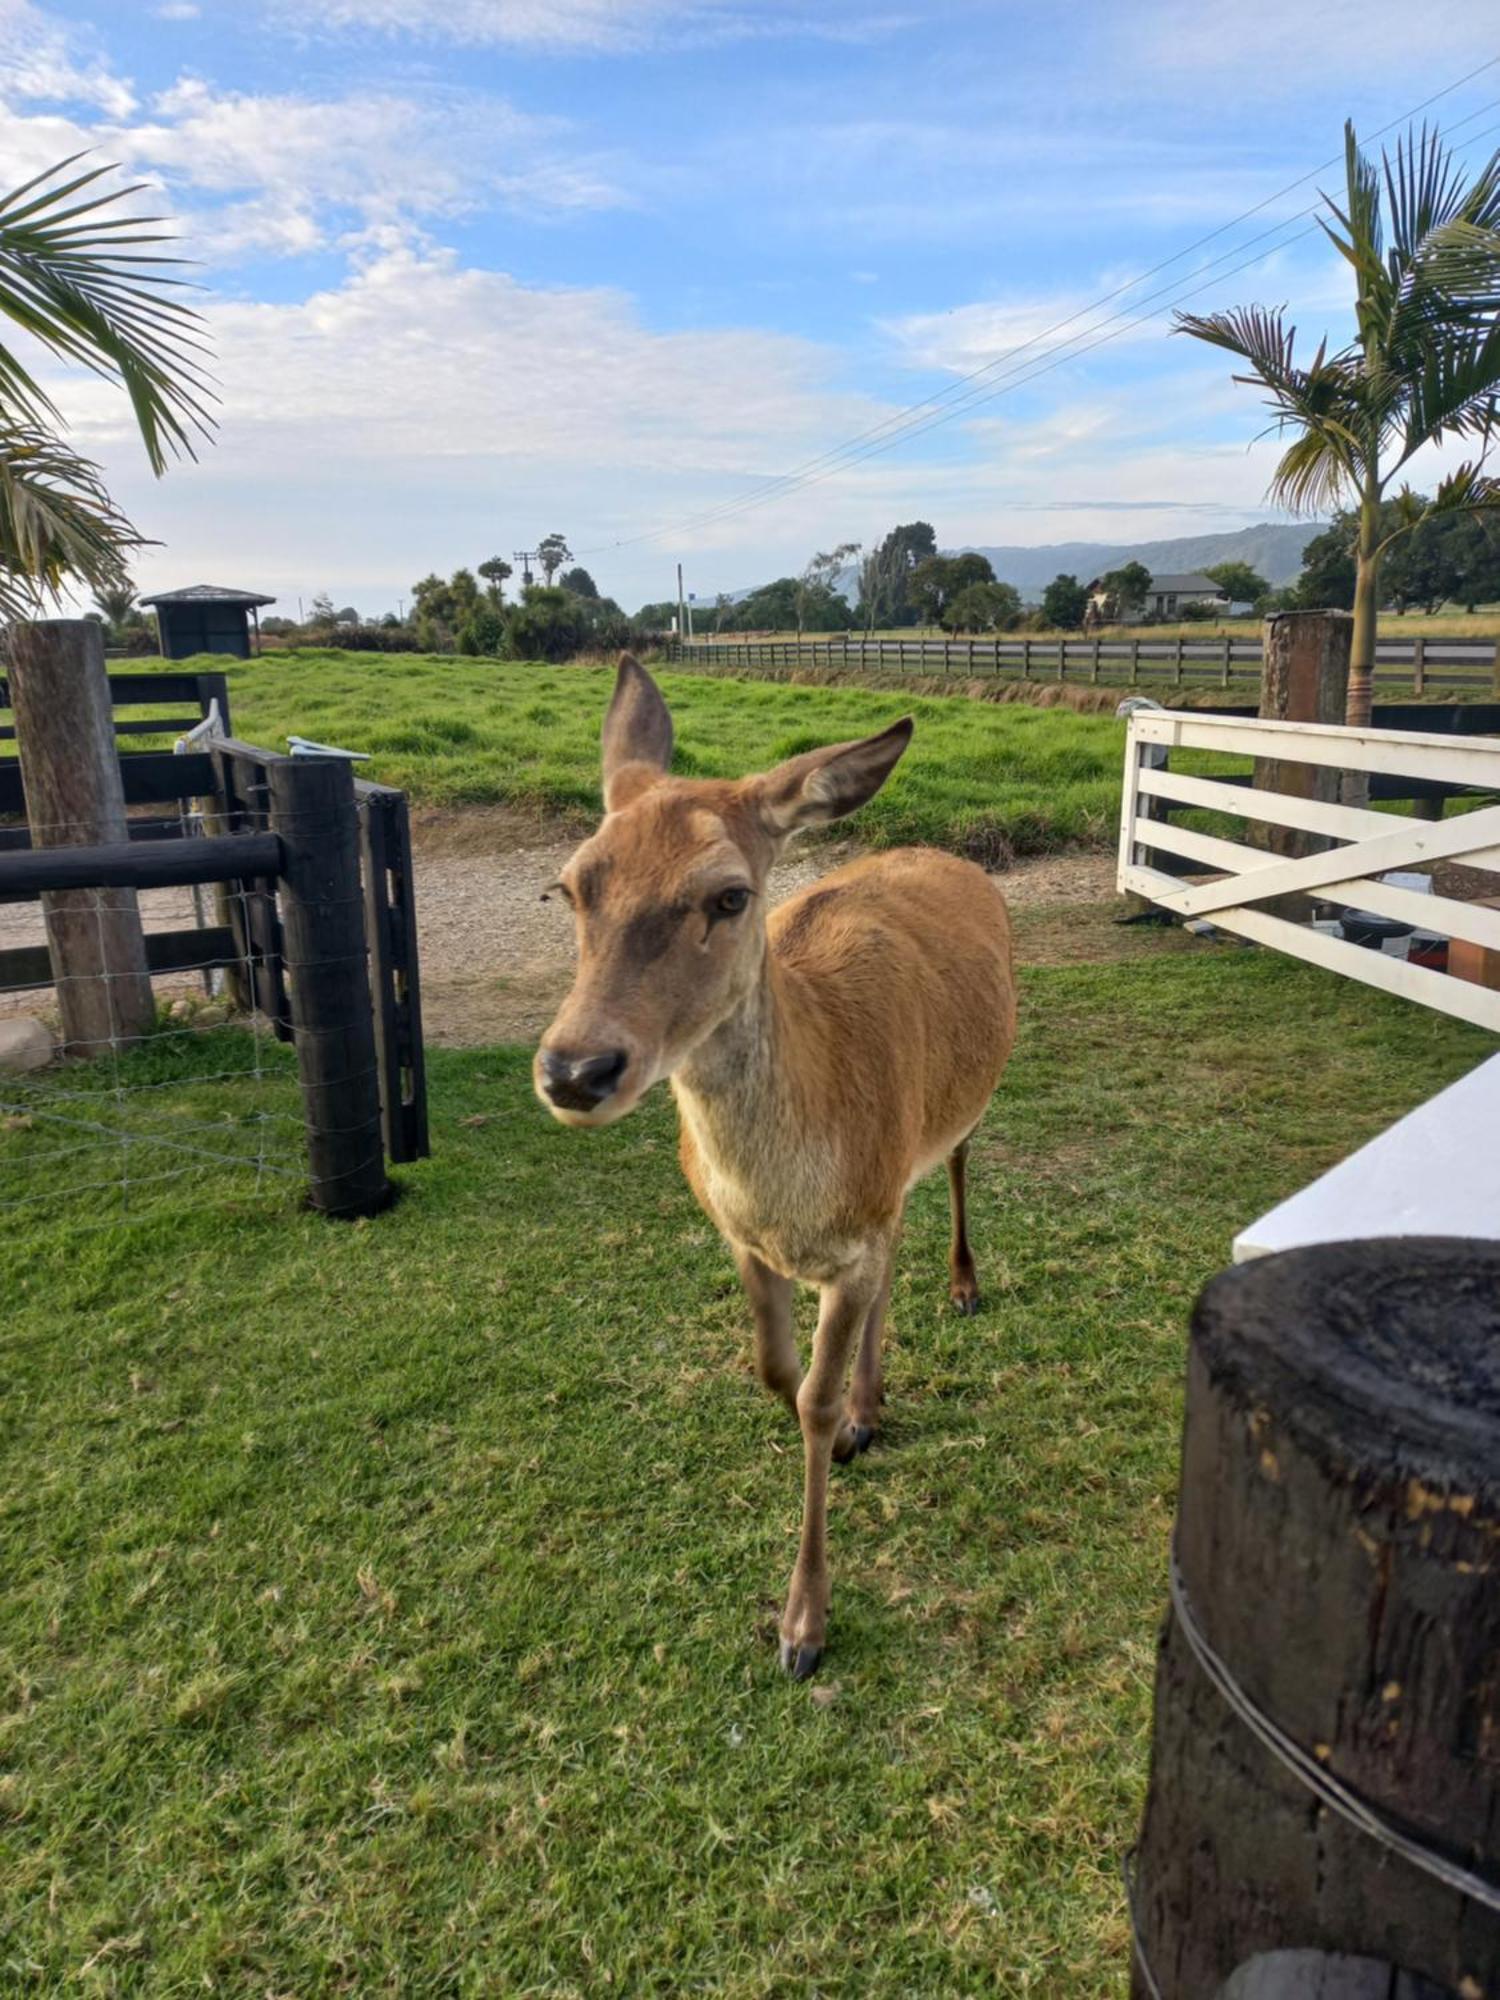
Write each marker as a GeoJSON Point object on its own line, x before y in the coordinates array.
{"type": "Point", "coordinates": [730, 902]}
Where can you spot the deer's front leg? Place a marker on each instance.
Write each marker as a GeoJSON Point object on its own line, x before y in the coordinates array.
{"type": "Point", "coordinates": [771, 1298]}
{"type": "Point", "coordinates": [845, 1306]}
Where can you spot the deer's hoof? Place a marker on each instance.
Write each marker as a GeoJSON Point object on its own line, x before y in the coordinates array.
{"type": "Point", "coordinates": [801, 1662]}
{"type": "Point", "coordinates": [851, 1441]}
{"type": "Point", "coordinates": [966, 1300]}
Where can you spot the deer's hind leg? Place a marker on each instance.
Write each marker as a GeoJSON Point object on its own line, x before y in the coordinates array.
{"type": "Point", "coordinates": [963, 1279]}
{"type": "Point", "coordinates": [771, 1300]}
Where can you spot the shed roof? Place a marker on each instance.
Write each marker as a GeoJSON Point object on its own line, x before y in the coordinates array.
{"type": "Point", "coordinates": [207, 593]}
{"type": "Point", "coordinates": [1187, 584]}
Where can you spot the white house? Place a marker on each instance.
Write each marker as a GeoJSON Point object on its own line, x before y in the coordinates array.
{"type": "Point", "coordinates": [1167, 598]}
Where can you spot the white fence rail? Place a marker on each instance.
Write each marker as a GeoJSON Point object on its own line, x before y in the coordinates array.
{"type": "Point", "coordinates": [1372, 844]}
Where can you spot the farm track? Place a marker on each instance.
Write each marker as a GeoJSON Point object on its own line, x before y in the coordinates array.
{"type": "Point", "coordinates": [496, 958]}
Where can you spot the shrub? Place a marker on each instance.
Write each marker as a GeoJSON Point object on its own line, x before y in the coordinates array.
{"type": "Point", "coordinates": [371, 639]}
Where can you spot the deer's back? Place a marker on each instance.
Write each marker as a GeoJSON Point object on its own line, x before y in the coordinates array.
{"type": "Point", "coordinates": [900, 965]}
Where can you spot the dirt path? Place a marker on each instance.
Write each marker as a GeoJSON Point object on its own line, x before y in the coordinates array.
{"type": "Point", "coordinates": [496, 957]}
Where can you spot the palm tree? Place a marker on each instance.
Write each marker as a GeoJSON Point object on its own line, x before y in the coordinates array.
{"type": "Point", "coordinates": [89, 286]}
{"type": "Point", "coordinates": [1424, 364]}
{"type": "Point", "coordinates": [116, 601]}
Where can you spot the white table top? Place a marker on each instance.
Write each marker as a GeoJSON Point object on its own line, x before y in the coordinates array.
{"type": "Point", "coordinates": [1435, 1172]}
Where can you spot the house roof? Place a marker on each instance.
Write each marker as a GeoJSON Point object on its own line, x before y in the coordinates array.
{"type": "Point", "coordinates": [207, 593]}
{"type": "Point", "coordinates": [1186, 585]}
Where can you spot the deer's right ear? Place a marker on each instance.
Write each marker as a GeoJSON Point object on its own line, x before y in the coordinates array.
{"type": "Point", "coordinates": [637, 735]}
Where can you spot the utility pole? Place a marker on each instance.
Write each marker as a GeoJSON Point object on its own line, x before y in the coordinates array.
{"type": "Point", "coordinates": [681, 607]}
{"type": "Point", "coordinates": [525, 557]}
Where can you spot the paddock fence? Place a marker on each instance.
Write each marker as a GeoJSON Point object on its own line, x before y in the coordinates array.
{"type": "Point", "coordinates": [1418, 666]}
{"type": "Point", "coordinates": [268, 1044]}
{"type": "Point", "coordinates": [1174, 766]}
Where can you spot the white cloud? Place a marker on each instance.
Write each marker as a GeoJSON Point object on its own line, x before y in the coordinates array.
{"type": "Point", "coordinates": [421, 411]}
{"type": "Point", "coordinates": [177, 10]}
{"type": "Point", "coordinates": [290, 174]}
{"type": "Point", "coordinates": [378, 157]}
{"type": "Point", "coordinates": [47, 61]}
{"type": "Point", "coordinates": [1272, 48]}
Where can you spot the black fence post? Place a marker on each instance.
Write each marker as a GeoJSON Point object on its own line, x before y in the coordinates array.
{"type": "Point", "coordinates": [1323, 1799]}
{"type": "Point", "coordinates": [322, 914]}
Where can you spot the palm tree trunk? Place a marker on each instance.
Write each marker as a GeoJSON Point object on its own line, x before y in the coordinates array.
{"type": "Point", "coordinates": [1356, 787]}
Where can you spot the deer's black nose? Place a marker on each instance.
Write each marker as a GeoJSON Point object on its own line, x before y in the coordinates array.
{"type": "Point", "coordinates": [579, 1083]}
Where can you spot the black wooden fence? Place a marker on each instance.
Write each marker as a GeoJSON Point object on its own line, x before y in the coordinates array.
{"type": "Point", "coordinates": [314, 925]}
{"type": "Point", "coordinates": [1418, 666]}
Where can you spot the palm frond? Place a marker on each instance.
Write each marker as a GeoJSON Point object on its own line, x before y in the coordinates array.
{"type": "Point", "coordinates": [1454, 391]}
{"type": "Point", "coordinates": [56, 522]}
{"type": "Point", "coordinates": [1317, 471]}
{"type": "Point", "coordinates": [91, 287]}
{"type": "Point", "coordinates": [1426, 192]}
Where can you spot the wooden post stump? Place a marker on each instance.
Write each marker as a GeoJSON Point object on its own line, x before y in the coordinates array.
{"type": "Point", "coordinates": [333, 1019]}
{"type": "Point", "coordinates": [1334, 1644]}
{"type": "Point", "coordinates": [1304, 678]}
{"type": "Point", "coordinates": [70, 772]}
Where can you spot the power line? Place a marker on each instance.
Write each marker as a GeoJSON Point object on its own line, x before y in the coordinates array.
{"type": "Point", "coordinates": [908, 422]}
{"type": "Point", "coordinates": [1057, 358]}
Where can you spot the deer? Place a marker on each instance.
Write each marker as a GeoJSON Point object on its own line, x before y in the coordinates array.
{"type": "Point", "coordinates": [824, 1055]}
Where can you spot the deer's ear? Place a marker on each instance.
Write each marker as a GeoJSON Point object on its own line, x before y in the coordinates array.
{"type": "Point", "coordinates": [637, 735]}
{"type": "Point", "coordinates": [825, 784]}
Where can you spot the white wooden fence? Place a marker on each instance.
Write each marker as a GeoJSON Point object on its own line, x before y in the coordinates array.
{"type": "Point", "coordinates": [1374, 843]}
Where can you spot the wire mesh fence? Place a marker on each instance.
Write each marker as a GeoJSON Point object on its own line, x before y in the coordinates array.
{"type": "Point", "coordinates": [193, 1097]}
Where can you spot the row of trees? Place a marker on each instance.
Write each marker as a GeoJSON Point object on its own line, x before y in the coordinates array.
{"type": "Point", "coordinates": [902, 580]}
{"type": "Point", "coordinates": [469, 613]}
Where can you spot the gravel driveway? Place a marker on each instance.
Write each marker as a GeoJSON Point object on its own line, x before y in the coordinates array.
{"type": "Point", "coordinates": [496, 959]}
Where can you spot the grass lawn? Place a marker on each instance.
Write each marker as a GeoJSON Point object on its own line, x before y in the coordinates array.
{"type": "Point", "coordinates": [389, 1608]}
{"type": "Point", "coordinates": [454, 731]}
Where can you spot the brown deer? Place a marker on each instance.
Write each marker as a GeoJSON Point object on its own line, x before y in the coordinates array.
{"type": "Point", "coordinates": [824, 1055]}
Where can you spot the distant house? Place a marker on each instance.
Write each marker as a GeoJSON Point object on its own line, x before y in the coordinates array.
{"type": "Point", "coordinates": [206, 618]}
{"type": "Point", "coordinates": [1167, 598]}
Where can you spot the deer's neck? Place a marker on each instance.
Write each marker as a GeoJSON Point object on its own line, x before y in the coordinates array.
{"type": "Point", "coordinates": [738, 1090]}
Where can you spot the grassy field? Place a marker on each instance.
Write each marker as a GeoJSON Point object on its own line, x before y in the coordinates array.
{"type": "Point", "coordinates": [389, 1609]}
{"type": "Point", "coordinates": [987, 781]}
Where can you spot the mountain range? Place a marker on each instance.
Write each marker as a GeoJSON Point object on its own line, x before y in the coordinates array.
{"type": "Point", "coordinates": [1273, 549]}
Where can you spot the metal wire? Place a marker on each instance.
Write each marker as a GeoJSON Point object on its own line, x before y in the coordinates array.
{"type": "Point", "coordinates": [1329, 1790]}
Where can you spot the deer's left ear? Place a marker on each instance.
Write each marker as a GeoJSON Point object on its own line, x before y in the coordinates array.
{"type": "Point", "coordinates": [637, 735]}
{"type": "Point", "coordinates": [826, 784]}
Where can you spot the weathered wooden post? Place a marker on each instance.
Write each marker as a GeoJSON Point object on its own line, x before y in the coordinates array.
{"type": "Point", "coordinates": [322, 914]}
{"type": "Point", "coordinates": [1325, 1772]}
{"type": "Point", "coordinates": [1304, 678]}
{"type": "Point", "coordinates": [70, 772]}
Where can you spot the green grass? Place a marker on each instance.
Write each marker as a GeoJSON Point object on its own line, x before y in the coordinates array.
{"type": "Point", "coordinates": [389, 1609]}
{"type": "Point", "coordinates": [455, 731]}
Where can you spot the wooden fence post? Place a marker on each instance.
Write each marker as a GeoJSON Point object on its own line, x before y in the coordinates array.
{"type": "Point", "coordinates": [1094, 665]}
{"type": "Point", "coordinates": [1331, 1644]}
{"type": "Point", "coordinates": [1228, 661]}
{"type": "Point", "coordinates": [1304, 678]}
{"type": "Point", "coordinates": [1419, 666]}
{"type": "Point", "coordinates": [322, 913]}
{"type": "Point", "coordinates": [70, 771]}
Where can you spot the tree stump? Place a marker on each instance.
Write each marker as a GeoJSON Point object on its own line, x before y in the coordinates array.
{"type": "Point", "coordinates": [1338, 1551]}
{"type": "Point", "coordinates": [70, 772]}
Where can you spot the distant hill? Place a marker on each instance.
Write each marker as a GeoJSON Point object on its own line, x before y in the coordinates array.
{"type": "Point", "coordinates": [1272, 548]}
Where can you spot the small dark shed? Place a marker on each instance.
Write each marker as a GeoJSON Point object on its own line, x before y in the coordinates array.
{"type": "Point", "coordinates": [206, 619]}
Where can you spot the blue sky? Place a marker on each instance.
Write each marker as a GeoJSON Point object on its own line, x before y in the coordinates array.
{"type": "Point", "coordinates": [480, 269]}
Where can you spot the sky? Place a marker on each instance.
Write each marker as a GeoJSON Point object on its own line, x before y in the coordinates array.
{"type": "Point", "coordinates": [474, 271]}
